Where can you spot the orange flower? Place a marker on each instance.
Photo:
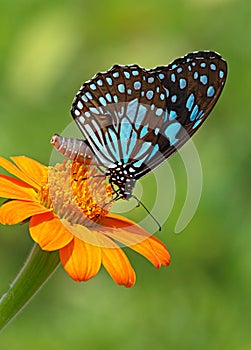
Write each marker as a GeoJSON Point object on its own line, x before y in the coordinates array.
{"type": "Point", "coordinates": [67, 206]}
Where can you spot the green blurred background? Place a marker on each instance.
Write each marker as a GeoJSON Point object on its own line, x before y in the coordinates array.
{"type": "Point", "coordinates": [202, 300]}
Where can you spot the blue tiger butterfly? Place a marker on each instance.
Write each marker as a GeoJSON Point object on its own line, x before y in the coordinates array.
{"type": "Point", "coordinates": [133, 118]}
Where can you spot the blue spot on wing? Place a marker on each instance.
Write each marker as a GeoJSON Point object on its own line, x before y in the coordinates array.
{"type": "Point", "coordinates": [100, 82]}
{"type": "Point", "coordinates": [89, 95]}
{"type": "Point", "coordinates": [125, 133]}
{"type": "Point", "coordinates": [121, 88]}
{"type": "Point", "coordinates": [140, 161]}
{"type": "Point", "coordinates": [137, 85]}
{"type": "Point", "coordinates": [221, 74]}
{"type": "Point", "coordinates": [193, 115]}
{"type": "Point", "coordinates": [113, 145]}
{"type": "Point", "coordinates": [132, 143]}
{"type": "Point", "coordinates": [183, 83]}
{"type": "Point", "coordinates": [95, 142]}
{"type": "Point", "coordinates": [173, 78]}
{"type": "Point", "coordinates": [109, 97]}
{"type": "Point", "coordinates": [213, 66]}
{"type": "Point", "coordinates": [190, 102]}
{"type": "Point", "coordinates": [172, 115]}
{"type": "Point", "coordinates": [154, 151]}
{"type": "Point", "coordinates": [135, 73]}
{"type": "Point", "coordinates": [196, 123]}
{"type": "Point", "coordinates": [109, 80]}
{"type": "Point", "coordinates": [93, 110]}
{"type": "Point", "coordinates": [132, 109]}
{"type": "Point", "coordinates": [149, 94]}
{"type": "Point", "coordinates": [172, 131]}
{"type": "Point", "coordinates": [143, 131]}
{"type": "Point", "coordinates": [210, 91]}
{"type": "Point", "coordinates": [140, 115]}
{"type": "Point", "coordinates": [159, 111]}
{"type": "Point", "coordinates": [84, 98]}
{"type": "Point", "coordinates": [80, 105]}
{"type": "Point", "coordinates": [145, 146]}
{"type": "Point", "coordinates": [93, 86]}
{"type": "Point", "coordinates": [203, 79]}
{"type": "Point", "coordinates": [102, 100]}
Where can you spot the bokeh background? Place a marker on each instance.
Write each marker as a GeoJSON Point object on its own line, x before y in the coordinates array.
{"type": "Point", "coordinates": [202, 300]}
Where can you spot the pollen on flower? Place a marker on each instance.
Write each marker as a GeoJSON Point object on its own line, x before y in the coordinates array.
{"type": "Point", "coordinates": [76, 193]}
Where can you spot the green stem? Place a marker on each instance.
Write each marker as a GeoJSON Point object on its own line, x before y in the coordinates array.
{"type": "Point", "coordinates": [37, 269]}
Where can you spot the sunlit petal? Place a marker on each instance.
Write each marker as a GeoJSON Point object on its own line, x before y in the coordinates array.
{"type": "Point", "coordinates": [154, 250]}
{"type": "Point", "coordinates": [30, 167]}
{"type": "Point", "coordinates": [123, 230]}
{"type": "Point", "coordinates": [16, 189]}
{"type": "Point", "coordinates": [81, 260]}
{"type": "Point", "coordinates": [118, 221]}
{"type": "Point", "coordinates": [118, 266]}
{"type": "Point", "coordinates": [16, 211]}
{"type": "Point", "coordinates": [82, 233]}
{"type": "Point", "coordinates": [14, 170]}
{"type": "Point", "coordinates": [48, 232]}
{"type": "Point", "coordinates": [135, 237]}
{"type": "Point", "coordinates": [148, 246]}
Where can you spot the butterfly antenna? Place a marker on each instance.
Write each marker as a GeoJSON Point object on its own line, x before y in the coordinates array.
{"type": "Point", "coordinates": [143, 205]}
{"type": "Point", "coordinates": [100, 169]}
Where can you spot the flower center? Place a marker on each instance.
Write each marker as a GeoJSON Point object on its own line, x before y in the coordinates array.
{"type": "Point", "coordinates": [77, 193]}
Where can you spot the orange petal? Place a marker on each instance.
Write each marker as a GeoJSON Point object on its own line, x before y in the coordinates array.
{"type": "Point", "coordinates": [118, 266]}
{"type": "Point", "coordinates": [115, 261]}
{"type": "Point", "coordinates": [83, 233]}
{"type": "Point", "coordinates": [33, 169]}
{"type": "Point", "coordinates": [12, 169]}
{"type": "Point", "coordinates": [16, 211]}
{"type": "Point", "coordinates": [15, 189]}
{"type": "Point", "coordinates": [117, 221]}
{"type": "Point", "coordinates": [135, 237]}
{"type": "Point", "coordinates": [154, 250]}
{"type": "Point", "coordinates": [150, 247]}
{"type": "Point", "coordinates": [123, 230]}
{"type": "Point", "coordinates": [90, 236]}
{"type": "Point", "coordinates": [48, 232]}
{"type": "Point", "coordinates": [81, 260]}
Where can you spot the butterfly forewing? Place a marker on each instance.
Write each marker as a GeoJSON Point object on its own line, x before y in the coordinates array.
{"type": "Point", "coordinates": [119, 112]}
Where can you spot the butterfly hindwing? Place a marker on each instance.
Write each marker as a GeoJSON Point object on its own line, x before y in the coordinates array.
{"type": "Point", "coordinates": [196, 79]}
{"type": "Point", "coordinates": [192, 85]}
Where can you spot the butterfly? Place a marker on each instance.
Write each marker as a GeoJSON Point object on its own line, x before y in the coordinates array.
{"type": "Point", "coordinates": [133, 118]}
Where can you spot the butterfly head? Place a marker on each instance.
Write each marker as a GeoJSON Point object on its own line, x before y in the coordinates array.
{"type": "Point", "coordinates": [122, 177]}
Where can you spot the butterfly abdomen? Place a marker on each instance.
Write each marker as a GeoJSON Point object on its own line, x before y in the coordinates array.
{"type": "Point", "coordinates": [73, 149]}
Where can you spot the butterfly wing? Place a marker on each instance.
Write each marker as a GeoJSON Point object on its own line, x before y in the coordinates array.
{"type": "Point", "coordinates": [116, 112]}
{"type": "Point", "coordinates": [192, 84]}
{"type": "Point", "coordinates": [140, 117]}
